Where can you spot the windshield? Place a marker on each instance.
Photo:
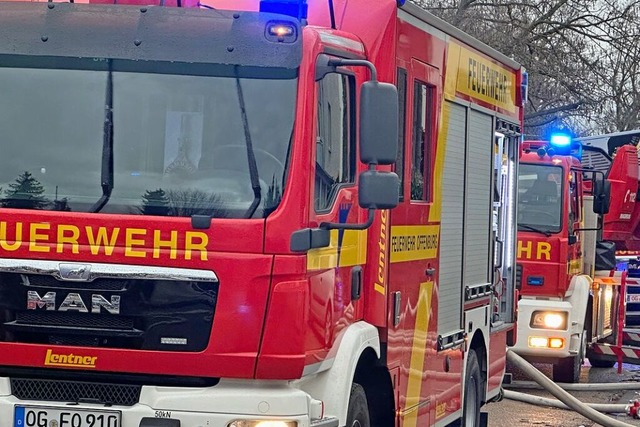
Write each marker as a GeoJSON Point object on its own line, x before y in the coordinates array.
{"type": "Point", "coordinates": [179, 144]}
{"type": "Point", "coordinates": [539, 197]}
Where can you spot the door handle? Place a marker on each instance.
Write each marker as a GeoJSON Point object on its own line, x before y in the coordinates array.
{"type": "Point", "coordinates": [430, 271]}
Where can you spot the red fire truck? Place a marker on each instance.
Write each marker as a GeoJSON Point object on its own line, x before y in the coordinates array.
{"type": "Point", "coordinates": [196, 224]}
{"type": "Point", "coordinates": [576, 205]}
{"type": "Point", "coordinates": [617, 155]}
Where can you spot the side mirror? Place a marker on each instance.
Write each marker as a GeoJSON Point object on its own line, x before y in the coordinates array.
{"type": "Point", "coordinates": [309, 238]}
{"type": "Point", "coordinates": [378, 190]}
{"type": "Point", "coordinates": [601, 195]}
{"type": "Point", "coordinates": [378, 123]}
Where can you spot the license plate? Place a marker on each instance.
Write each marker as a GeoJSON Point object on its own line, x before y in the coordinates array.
{"type": "Point", "coordinates": [633, 298]}
{"type": "Point", "coordinates": [40, 416]}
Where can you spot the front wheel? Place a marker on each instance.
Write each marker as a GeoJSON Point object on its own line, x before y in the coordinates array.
{"type": "Point", "coordinates": [472, 392]}
{"type": "Point", "coordinates": [358, 411]}
{"type": "Point", "coordinates": [568, 370]}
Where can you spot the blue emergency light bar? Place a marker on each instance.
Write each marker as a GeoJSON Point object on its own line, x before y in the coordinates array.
{"type": "Point", "coordinates": [560, 140]}
{"type": "Point", "coordinates": [297, 8]}
{"type": "Point", "coordinates": [563, 144]}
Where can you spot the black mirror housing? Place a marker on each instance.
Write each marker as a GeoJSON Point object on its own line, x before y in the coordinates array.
{"type": "Point", "coordinates": [378, 190]}
{"type": "Point", "coordinates": [601, 195]}
{"type": "Point", "coordinates": [378, 123]}
{"type": "Point", "coordinates": [309, 238]}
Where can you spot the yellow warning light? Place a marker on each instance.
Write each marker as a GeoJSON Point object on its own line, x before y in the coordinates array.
{"type": "Point", "coordinates": [281, 30]}
{"type": "Point", "coordinates": [556, 342]}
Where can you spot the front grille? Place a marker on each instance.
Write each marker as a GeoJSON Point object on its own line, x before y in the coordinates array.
{"type": "Point", "coordinates": [518, 276]}
{"type": "Point", "coordinates": [42, 281]}
{"type": "Point", "coordinates": [75, 391]}
{"type": "Point", "coordinates": [74, 340]}
{"type": "Point", "coordinates": [74, 320]}
{"type": "Point", "coordinates": [133, 313]}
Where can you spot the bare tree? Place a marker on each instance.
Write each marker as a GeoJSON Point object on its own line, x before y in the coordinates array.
{"type": "Point", "coordinates": [580, 56]}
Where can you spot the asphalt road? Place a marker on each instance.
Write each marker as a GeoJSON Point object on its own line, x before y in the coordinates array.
{"type": "Point", "coordinates": [510, 413]}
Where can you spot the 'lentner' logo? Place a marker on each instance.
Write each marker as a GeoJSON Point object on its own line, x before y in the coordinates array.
{"type": "Point", "coordinates": [69, 360]}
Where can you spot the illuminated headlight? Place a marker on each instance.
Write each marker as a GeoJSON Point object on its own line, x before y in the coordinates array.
{"type": "Point", "coordinates": [538, 342]}
{"type": "Point", "coordinates": [262, 423]}
{"type": "Point", "coordinates": [549, 320]}
{"type": "Point", "coordinates": [544, 342]}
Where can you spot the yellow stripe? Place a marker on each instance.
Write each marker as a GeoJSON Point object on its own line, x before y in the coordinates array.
{"type": "Point", "coordinates": [414, 242]}
{"type": "Point", "coordinates": [353, 252]}
{"type": "Point", "coordinates": [453, 64]}
{"type": "Point", "coordinates": [435, 212]}
{"type": "Point", "coordinates": [575, 266]}
{"type": "Point", "coordinates": [354, 248]}
{"type": "Point", "coordinates": [453, 57]}
{"type": "Point", "coordinates": [416, 366]}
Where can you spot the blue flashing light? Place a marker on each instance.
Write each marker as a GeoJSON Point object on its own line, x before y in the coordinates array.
{"type": "Point", "coordinates": [296, 8]}
{"type": "Point", "coordinates": [401, 2]}
{"type": "Point", "coordinates": [560, 140]}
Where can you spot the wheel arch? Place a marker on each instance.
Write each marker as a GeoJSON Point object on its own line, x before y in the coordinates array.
{"type": "Point", "coordinates": [376, 380]}
{"type": "Point", "coordinates": [479, 345]}
{"type": "Point", "coordinates": [358, 358]}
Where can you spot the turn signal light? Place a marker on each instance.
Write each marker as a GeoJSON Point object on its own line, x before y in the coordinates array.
{"type": "Point", "coordinates": [556, 342]}
{"type": "Point", "coordinates": [544, 342]}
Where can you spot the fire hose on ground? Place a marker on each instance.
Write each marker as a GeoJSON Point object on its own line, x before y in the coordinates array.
{"type": "Point", "coordinates": [563, 396]}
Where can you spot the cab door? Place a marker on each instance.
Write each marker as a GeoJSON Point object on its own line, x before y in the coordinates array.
{"type": "Point", "coordinates": [413, 267]}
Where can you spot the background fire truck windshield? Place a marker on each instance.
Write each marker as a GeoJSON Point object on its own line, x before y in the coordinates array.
{"type": "Point", "coordinates": [539, 202]}
{"type": "Point", "coordinates": [179, 145]}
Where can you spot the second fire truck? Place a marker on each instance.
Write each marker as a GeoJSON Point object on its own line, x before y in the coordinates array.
{"type": "Point", "coordinates": [576, 204]}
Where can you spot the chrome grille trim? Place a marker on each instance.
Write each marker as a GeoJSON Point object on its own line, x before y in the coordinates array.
{"type": "Point", "coordinates": [111, 271]}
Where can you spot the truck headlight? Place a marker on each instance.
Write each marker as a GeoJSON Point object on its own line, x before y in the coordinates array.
{"type": "Point", "coordinates": [549, 320]}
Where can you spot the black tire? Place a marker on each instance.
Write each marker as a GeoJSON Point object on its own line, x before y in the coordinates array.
{"type": "Point", "coordinates": [597, 362]}
{"type": "Point", "coordinates": [358, 411]}
{"type": "Point", "coordinates": [568, 370]}
{"type": "Point", "coordinates": [473, 384]}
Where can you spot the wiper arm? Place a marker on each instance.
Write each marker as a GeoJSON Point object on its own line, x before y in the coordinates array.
{"type": "Point", "coordinates": [106, 178]}
{"type": "Point", "coordinates": [535, 229]}
{"type": "Point", "coordinates": [251, 156]}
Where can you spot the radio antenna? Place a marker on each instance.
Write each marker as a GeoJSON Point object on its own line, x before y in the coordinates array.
{"type": "Point", "coordinates": [332, 14]}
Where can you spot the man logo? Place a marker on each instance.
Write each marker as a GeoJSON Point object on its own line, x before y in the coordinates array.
{"type": "Point", "coordinates": [73, 302]}
{"type": "Point", "coordinates": [75, 272]}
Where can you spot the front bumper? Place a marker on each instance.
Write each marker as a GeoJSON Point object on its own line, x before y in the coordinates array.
{"type": "Point", "coordinates": [215, 406]}
{"type": "Point", "coordinates": [570, 335]}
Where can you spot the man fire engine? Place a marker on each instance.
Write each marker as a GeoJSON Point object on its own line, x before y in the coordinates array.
{"type": "Point", "coordinates": [195, 223]}
{"type": "Point", "coordinates": [567, 234]}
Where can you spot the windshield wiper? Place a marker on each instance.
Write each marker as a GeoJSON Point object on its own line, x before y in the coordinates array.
{"type": "Point", "coordinates": [106, 178]}
{"type": "Point", "coordinates": [537, 230]}
{"type": "Point", "coordinates": [251, 156]}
